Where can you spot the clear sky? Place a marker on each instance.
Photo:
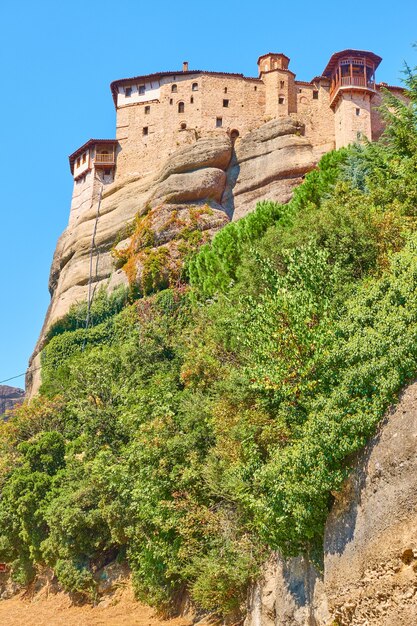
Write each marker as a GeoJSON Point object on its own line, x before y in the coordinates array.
{"type": "Point", "coordinates": [58, 59]}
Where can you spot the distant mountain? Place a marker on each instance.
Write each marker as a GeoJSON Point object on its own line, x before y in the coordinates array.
{"type": "Point", "coordinates": [9, 396]}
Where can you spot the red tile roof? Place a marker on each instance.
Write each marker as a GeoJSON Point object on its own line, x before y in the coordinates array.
{"type": "Point", "coordinates": [73, 157]}
{"type": "Point", "coordinates": [277, 54]}
{"type": "Point", "coordinates": [354, 53]}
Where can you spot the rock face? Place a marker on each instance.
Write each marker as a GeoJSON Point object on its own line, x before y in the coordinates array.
{"type": "Point", "coordinates": [370, 544]}
{"type": "Point", "coordinates": [215, 171]}
{"type": "Point", "coordinates": [9, 396]}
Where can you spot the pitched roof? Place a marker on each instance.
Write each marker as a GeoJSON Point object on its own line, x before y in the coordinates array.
{"type": "Point", "coordinates": [73, 157]}
{"type": "Point", "coordinates": [353, 53]}
{"type": "Point", "coordinates": [275, 54]}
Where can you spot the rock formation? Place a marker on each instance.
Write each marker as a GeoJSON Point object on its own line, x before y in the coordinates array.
{"type": "Point", "coordinates": [9, 396]}
{"type": "Point", "coordinates": [226, 176]}
{"type": "Point", "coordinates": [370, 545]}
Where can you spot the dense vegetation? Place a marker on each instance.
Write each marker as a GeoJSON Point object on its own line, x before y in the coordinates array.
{"type": "Point", "coordinates": [193, 430]}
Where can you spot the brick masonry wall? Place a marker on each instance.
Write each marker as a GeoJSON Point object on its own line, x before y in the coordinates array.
{"type": "Point", "coordinates": [352, 118]}
{"type": "Point", "coordinates": [316, 114]}
{"type": "Point", "coordinates": [152, 125]}
{"type": "Point", "coordinates": [202, 112]}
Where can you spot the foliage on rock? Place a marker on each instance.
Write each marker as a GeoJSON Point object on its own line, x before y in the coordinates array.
{"type": "Point", "coordinates": [197, 428]}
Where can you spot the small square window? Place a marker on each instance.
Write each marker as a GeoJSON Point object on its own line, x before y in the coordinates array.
{"type": "Point", "coordinates": [226, 103]}
{"type": "Point", "coordinates": [147, 110]}
{"type": "Point", "coordinates": [128, 92]}
{"type": "Point", "coordinates": [219, 122]}
{"type": "Point", "coordinates": [145, 131]}
{"type": "Point", "coordinates": [281, 100]}
{"type": "Point", "coordinates": [107, 172]}
{"type": "Point", "coordinates": [358, 111]}
{"type": "Point", "coordinates": [141, 90]}
{"type": "Point", "coordinates": [315, 95]}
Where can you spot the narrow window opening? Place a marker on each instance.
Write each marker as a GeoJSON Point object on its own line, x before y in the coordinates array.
{"type": "Point", "coordinates": [171, 101]}
{"type": "Point", "coordinates": [194, 87]}
{"type": "Point", "coordinates": [141, 90]}
{"type": "Point", "coordinates": [282, 84]}
{"type": "Point", "coordinates": [181, 107]}
{"type": "Point", "coordinates": [226, 103]}
{"type": "Point", "coordinates": [78, 162]}
{"type": "Point", "coordinates": [147, 110]}
{"type": "Point", "coordinates": [315, 95]}
{"type": "Point", "coordinates": [219, 122]}
{"type": "Point", "coordinates": [174, 88]}
{"type": "Point", "coordinates": [84, 157]}
{"type": "Point", "coordinates": [225, 90]}
{"type": "Point", "coordinates": [255, 88]}
{"type": "Point", "coordinates": [145, 131]}
{"type": "Point", "coordinates": [191, 100]}
{"type": "Point", "coordinates": [128, 92]}
{"type": "Point", "coordinates": [358, 111]}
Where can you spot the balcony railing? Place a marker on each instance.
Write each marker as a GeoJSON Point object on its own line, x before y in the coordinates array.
{"type": "Point", "coordinates": [106, 159]}
{"type": "Point", "coordinates": [351, 81]}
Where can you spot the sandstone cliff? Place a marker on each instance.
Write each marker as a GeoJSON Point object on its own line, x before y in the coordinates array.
{"type": "Point", "coordinates": [370, 545]}
{"type": "Point", "coordinates": [9, 396]}
{"type": "Point", "coordinates": [225, 177]}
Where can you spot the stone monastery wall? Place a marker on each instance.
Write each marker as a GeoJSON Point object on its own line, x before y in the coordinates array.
{"type": "Point", "coordinates": [158, 114]}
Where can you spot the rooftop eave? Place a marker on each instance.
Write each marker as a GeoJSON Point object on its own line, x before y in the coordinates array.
{"type": "Point", "coordinates": [91, 142]}
{"type": "Point", "coordinates": [273, 54]}
{"type": "Point", "coordinates": [349, 52]}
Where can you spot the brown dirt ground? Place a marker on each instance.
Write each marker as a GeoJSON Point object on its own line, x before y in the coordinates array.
{"type": "Point", "coordinates": [57, 610]}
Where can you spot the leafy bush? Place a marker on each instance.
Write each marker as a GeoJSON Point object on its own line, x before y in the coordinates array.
{"type": "Point", "coordinates": [191, 436]}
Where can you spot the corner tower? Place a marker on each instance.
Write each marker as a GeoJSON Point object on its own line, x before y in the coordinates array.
{"type": "Point", "coordinates": [92, 165]}
{"type": "Point", "coordinates": [352, 90]}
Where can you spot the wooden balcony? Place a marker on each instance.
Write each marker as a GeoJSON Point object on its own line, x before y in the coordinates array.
{"type": "Point", "coordinates": [350, 81]}
{"type": "Point", "coordinates": [104, 159]}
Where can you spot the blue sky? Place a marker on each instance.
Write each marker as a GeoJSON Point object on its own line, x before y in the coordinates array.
{"type": "Point", "coordinates": [58, 59]}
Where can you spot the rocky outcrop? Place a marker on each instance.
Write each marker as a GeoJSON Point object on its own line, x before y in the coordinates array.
{"type": "Point", "coordinates": [9, 397]}
{"type": "Point", "coordinates": [370, 543]}
{"type": "Point", "coordinates": [225, 175]}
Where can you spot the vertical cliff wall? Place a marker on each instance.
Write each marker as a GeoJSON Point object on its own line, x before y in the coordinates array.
{"type": "Point", "coordinates": [370, 544]}
{"type": "Point", "coordinates": [9, 397]}
{"type": "Point", "coordinates": [229, 177]}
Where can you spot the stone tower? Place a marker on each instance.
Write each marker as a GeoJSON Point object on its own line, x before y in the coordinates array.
{"type": "Point", "coordinates": [279, 81]}
{"type": "Point", "coordinates": [92, 165]}
{"type": "Point", "coordinates": [352, 91]}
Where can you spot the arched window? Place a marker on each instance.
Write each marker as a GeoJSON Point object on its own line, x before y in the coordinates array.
{"type": "Point", "coordinates": [181, 107]}
{"type": "Point", "coordinates": [194, 87]}
{"type": "Point", "coordinates": [174, 88]}
{"type": "Point", "coordinates": [234, 134]}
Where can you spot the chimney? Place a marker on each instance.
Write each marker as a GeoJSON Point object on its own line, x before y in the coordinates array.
{"type": "Point", "coordinates": [185, 66]}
